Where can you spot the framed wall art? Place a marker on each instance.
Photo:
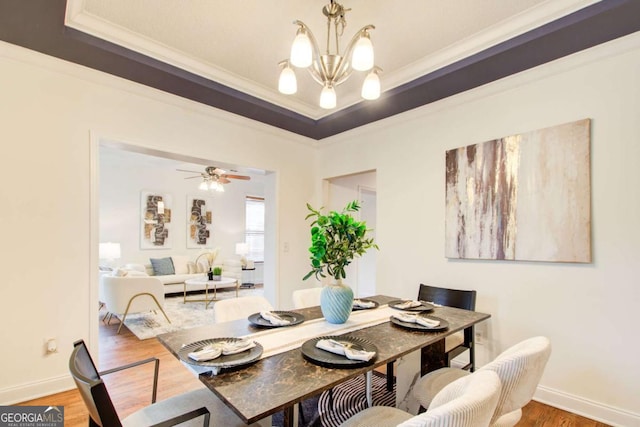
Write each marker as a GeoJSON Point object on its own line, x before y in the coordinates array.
{"type": "Point", "coordinates": [199, 219]}
{"type": "Point", "coordinates": [522, 197]}
{"type": "Point", "coordinates": [155, 210]}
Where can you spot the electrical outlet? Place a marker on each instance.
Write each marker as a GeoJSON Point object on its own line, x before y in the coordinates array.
{"type": "Point", "coordinates": [479, 337]}
{"type": "Point", "coordinates": [50, 345]}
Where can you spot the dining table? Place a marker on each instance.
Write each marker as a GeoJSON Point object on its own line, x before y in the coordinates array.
{"type": "Point", "coordinates": [278, 381]}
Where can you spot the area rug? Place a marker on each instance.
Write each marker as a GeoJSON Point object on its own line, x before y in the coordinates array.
{"type": "Point", "coordinates": [334, 407]}
{"type": "Point", "coordinates": [183, 316]}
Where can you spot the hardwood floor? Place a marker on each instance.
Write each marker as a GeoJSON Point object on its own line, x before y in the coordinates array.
{"type": "Point", "coordinates": [131, 390]}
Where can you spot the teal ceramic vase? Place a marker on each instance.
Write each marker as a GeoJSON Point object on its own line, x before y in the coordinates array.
{"type": "Point", "coordinates": [336, 302]}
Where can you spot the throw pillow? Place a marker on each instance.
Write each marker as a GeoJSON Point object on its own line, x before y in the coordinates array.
{"type": "Point", "coordinates": [192, 267]}
{"type": "Point", "coordinates": [119, 272]}
{"type": "Point", "coordinates": [180, 264]}
{"type": "Point", "coordinates": [162, 266]}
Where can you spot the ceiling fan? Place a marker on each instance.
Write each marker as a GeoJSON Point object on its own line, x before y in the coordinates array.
{"type": "Point", "coordinates": [213, 177]}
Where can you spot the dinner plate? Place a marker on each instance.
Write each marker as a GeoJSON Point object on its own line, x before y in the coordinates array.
{"type": "Point", "coordinates": [442, 326]}
{"type": "Point", "coordinates": [376, 305]}
{"type": "Point", "coordinates": [229, 361]}
{"type": "Point", "coordinates": [332, 360]}
{"type": "Point", "coordinates": [424, 307]}
{"type": "Point", "coordinates": [294, 318]}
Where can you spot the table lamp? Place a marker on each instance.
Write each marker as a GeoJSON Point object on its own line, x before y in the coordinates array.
{"type": "Point", "coordinates": [242, 249]}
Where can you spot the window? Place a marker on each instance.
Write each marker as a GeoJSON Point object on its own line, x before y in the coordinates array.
{"type": "Point", "coordinates": [254, 227]}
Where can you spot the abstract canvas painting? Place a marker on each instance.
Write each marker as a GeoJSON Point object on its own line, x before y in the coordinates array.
{"type": "Point", "coordinates": [198, 221]}
{"type": "Point", "coordinates": [521, 197]}
{"type": "Point", "coordinates": [156, 217]}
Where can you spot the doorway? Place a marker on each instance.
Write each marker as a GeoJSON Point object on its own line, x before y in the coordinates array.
{"type": "Point", "coordinates": [361, 273]}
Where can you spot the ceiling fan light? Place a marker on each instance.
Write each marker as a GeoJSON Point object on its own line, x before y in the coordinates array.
{"type": "Point", "coordinates": [301, 51]}
{"type": "Point", "coordinates": [203, 186]}
{"type": "Point", "coordinates": [371, 86]}
{"type": "Point", "coordinates": [328, 97]}
{"type": "Point", "coordinates": [287, 83]}
{"type": "Point", "coordinates": [362, 57]}
{"type": "Point", "coordinates": [220, 188]}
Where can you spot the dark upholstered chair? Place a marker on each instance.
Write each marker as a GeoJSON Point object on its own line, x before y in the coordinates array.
{"type": "Point", "coordinates": [193, 408]}
{"type": "Point", "coordinates": [458, 343]}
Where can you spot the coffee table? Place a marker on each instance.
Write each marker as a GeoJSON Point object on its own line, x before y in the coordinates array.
{"type": "Point", "coordinates": [224, 282]}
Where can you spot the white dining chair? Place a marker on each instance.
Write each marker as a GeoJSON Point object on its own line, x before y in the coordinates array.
{"type": "Point", "coordinates": [520, 368]}
{"type": "Point", "coordinates": [239, 308]}
{"type": "Point", "coordinates": [306, 297]}
{"type": "Point", "coordinates": [467, 402]}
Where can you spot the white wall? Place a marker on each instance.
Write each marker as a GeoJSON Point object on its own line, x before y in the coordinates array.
{"type": "Point", "coordinates": [51, 118]}
{"type": "Point", "coordinates": [588, 311]}
{"type": "Point", "coordinates": [124, 174]}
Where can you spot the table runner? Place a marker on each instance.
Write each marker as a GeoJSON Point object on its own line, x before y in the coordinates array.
{"type": "Point", "coordinates": [279, 340]}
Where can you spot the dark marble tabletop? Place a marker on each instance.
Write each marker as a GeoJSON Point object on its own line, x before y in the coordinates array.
{"type": "Point", "coordinates": [278, 382]}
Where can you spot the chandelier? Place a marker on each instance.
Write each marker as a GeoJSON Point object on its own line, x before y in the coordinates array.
{"type": "Point", "coordinates": [330, 68]}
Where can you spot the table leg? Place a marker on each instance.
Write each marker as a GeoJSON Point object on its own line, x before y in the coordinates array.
{"type": "Point", "coordinates": [184, 293]}
{"type": "Point", "coordinates": [369, 390]}
{"type": "Point", "coordinates": [432, 357]}
{"type": "Point", "coordinates": [289, 418]}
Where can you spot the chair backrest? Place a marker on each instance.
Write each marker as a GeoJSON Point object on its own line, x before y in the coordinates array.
{"type": "Point", "coordinates": [92, 388]}
{"type": "Point", "coordinates": [306, 297]}
{"type": "Point", "coordinates": [467, 402]}
{"type": "Point", "coordinates": [450, 297]}
{"type": "Point", "coordinates": [117, 292]}
{"type": "Point", "coordinates": [520, 368]}
{"type": "Point", "coordinates": [227, 310]}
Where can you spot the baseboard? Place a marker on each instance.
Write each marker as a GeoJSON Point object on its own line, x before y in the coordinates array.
{"type": "Point", "coordinates": [586, 408]}
{"type": "Point", "coordinates": [34, 390]}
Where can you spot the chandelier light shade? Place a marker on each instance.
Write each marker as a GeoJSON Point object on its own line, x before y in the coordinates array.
{"type": "Point", "coordinates": [331, 67]}
{"type": "Point", "coordinates": [328, 97]}
{"type": "Point", "coordinates": [371, 86]}
{"type": "Point", "coordinates": [287, 83]}
{"type": "Point", "coordinates": [362, 59]}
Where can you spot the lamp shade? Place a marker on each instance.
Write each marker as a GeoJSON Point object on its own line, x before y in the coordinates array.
{"type": "Point", "coordinates": [328, 97]}
{"type": "Point", "coordinates": [109, 250]}
{"type": "Point", "coordinates": [362, 59]}
{"type": "Point", "coordinates": [301, 50]}
{"type": "Point", "coordinates": [242, 248]}
{"type": "Point", "coordinates": [371, 86]}
{"type": "Point", "coordinates": [287, 83]}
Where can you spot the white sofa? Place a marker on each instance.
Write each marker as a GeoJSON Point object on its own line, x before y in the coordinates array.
{"type": "Point", "coordinates": [184, 270]}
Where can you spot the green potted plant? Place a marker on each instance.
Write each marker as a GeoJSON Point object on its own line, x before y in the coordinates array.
{"type": "Point", "coordinates": [217, 273]}
{"type": "Point", "coordinates": [336, 239]}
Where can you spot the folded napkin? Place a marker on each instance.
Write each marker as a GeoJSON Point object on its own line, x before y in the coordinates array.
{"type": "Point", "coordinates": [208, 352]}
{"type": "Point", "coordinates": [408, 304]}
{"type": "Point", "coordinates": [345, 349]}
{"type": "Point", "coordinates": [358, 303]}
{"type": "Point", "coordinates": [433, 303]}
{"type": "Point", "coordinates": [274, 319]}
{"type": "Point", "coordinates": [215, 350]}
{"type": "Point", "coordinates": [414, 318]}
{"type": "Point", "coordinates": [233, 347]}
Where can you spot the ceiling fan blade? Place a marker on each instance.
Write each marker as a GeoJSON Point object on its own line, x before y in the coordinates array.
{"type": "Point", "coordinates": [191, 177]}
{"type": "Point", "coordinates": [184, 170]}
{"type": "Point", "coordinates": [223, 180]}
{"type": "Point", "coordinates": [244, 177]}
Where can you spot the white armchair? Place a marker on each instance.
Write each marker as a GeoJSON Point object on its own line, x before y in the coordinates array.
{"type": "Point", "coordinates": [126, 295]}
